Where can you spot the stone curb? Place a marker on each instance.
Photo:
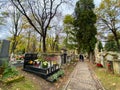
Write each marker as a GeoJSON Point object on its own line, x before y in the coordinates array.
{"type": "Point", "coordinates": [69, 79]}
{"type": "Point", "coordinates": [96, 79]}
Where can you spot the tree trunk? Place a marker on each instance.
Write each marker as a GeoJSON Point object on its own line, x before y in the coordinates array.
{"type": "Point", "coordinates": [91, 57]}
{"type": "Point", "coordinates": [13, 44]}
{"type": "Point", "coordinates": [40, 44]}
{"type": "Point", "coordinates": [44, 43]}
{"type": "Point", "coordinates": [28, 43]}
{"type": "Point", "coordinates": [117, 41]}
{"type": "Point", "coordinates": [33, 46]}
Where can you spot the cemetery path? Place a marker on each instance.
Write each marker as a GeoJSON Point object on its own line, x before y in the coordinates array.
{"type": "Point", "coordinates": [83, 78]}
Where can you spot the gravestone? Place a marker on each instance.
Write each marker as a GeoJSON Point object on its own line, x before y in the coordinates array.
{"type": "Point", "coordinates": [109, 57]}
{"type": "Point", "coordinates": [64, 56]}
{"type": "Point", "coordinates": [4, 51]}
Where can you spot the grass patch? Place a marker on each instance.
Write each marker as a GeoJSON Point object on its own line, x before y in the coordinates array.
{"type": "Point", "coordinates": [25, 84]}
{"type": "Point", "coordinates": [12, 79]}
{"type": "Point", "coordinates": [33, 82]}
{"type": "Point", "coordinates": [109, 81]}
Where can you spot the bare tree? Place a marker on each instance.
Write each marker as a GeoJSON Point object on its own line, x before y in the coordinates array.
{"type": "Point", "coordinates": [16, 28]}
{"type": "Point", "coordinates": [13, 17]}
{"type": "Point", "coordinates": [42, 11]}
{"type": "Point", "coordinates": [109, 18]}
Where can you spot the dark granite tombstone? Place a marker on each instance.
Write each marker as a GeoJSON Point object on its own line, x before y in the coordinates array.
{"type": "Point", "coordinates": [64, 56]}
{"type": "Point", "coordinates": [4, 51]}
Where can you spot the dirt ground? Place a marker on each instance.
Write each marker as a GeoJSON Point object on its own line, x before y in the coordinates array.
{"type": "Point", "coordinates": [42, 84]}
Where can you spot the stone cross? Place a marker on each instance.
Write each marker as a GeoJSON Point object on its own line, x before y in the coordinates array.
{"type": "Point", "coordinates": [4, 51]}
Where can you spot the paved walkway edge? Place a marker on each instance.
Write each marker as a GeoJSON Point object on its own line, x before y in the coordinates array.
{"type": "Point", "coordinates": [72, 74]}
{"type": "Point", "coordinates": [96, 79]}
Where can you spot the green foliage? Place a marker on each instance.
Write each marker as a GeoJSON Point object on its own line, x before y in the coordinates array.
{"type": "Point", "coordinates": [13, 79]}
{"type": "Point", "coordinates": [108, 18]}
{"type": "Point", "coordinates": [111, 37]}
{"type": "Point", "coordinates": [9, 72]}
{"type": "Point", "coordinates": [21, 83]}
{"type": "Point", "coordinates": [100, 46]}
{"type": "Point", "coordinates": [10, 75]}
{"type": "Point", "coordinates": [111, 46]}
{"type": "Point", "coordinates": [70, 39]}
{"type": "Point", "coordinates": [2, 21]}
{"type": "Point", "coordinates": [108, 80]}
{"type": "Point", "coordinates": [68, 19]}
{"type": "Point", "coordinates": [41, 59]}
{"type": "Point", "coordinates": [55, 76]}
{"type": "Point", "coordinates": [84, 27]}
{"type": "Point", "coordinates": [46, 16]}
{"type": "Point", "coordinates": [5, 14]}
{"type": "Point", "coordinates": [60, 73]}
{"type": "Point", "coordinates": [52, 43]}
{"type": "Point", "coordinates": [5, 64]}
{"type": "Point", "coordinates": [20, 44]}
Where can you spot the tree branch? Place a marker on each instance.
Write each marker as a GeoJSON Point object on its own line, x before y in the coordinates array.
{"type": "Point", "coordinates": [25, 14]}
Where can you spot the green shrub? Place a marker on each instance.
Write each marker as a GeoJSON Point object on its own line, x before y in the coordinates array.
{"type": "Point", "coordinates": [9, 71]}
{"type": "Point", "coordinates": [60, 72]}
{"type": "Point", "coordinates": [55, 76]}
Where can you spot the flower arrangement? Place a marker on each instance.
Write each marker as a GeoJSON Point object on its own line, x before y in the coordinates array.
{"type": "Point", "coordinates": [99, 65]}
{"type": "Point", "coordinates": [44, 64]}
{"type": "Point", "coordinates": [44, 59]}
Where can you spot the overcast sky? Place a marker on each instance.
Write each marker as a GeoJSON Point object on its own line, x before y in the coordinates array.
{"type": "Point", "coordinates": [4, 34]}
{"type": "Point", "coordinates": [97, 2]}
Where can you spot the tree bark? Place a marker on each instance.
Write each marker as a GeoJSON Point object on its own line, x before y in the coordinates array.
{"type": "Point", "coordinates": [117, 41]}
{"type": "Point", "coordinates": [40, 44]}
{"type": "Point", "coordinates": [44, 44]}
{"type": "Point", "coordinates": [43, 19]}
{"type": "Point", "coordinates": [28, 43]}
{"type": "Point", "coordinates": [91, 57]}
{"type": "Point", "coordinates": [13, 44]}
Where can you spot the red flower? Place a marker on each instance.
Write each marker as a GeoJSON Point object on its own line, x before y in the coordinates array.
{"type": "Point", "coordinates": [99, 65]}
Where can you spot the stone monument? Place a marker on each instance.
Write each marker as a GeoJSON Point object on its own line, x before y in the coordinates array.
{"type": "Point", "coordinates": [4, 51]}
